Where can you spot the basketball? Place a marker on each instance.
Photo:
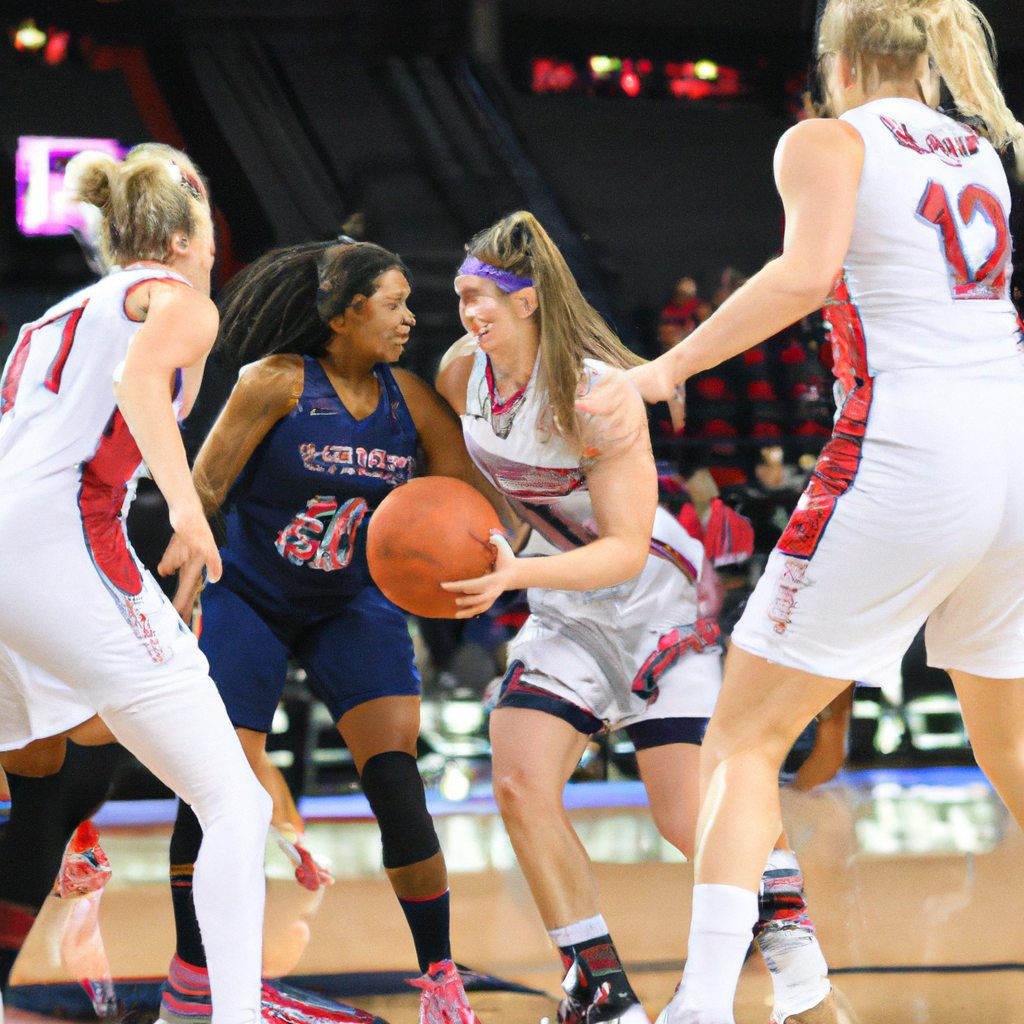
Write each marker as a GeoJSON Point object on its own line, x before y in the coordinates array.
{"type": "Point", "coordinates": [432, 530]}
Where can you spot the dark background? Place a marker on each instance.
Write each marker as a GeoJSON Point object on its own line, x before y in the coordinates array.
{"type": "Point", "coordinates": [417, 114]}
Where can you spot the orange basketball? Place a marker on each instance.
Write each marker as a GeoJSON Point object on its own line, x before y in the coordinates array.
{"type": "Point", "coordinates": [432, 530]}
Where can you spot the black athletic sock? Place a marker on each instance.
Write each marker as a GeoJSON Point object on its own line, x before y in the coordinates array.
{"type": "Point", "coordinates": [185, 842]}
{"type": "Point", "coordinates": [602, 962]}
{"type": "Point", "coordinates": [429, 920]}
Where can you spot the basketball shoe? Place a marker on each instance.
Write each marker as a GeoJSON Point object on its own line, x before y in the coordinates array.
{"type": "Point", "coordinates": [589, 1002]}
{"type": "Point", "coordinates": [185, 999]}
{"type": "Point", "coordinates": [84, 871]}
{"type": "Point", "coordinates": [444, 998]}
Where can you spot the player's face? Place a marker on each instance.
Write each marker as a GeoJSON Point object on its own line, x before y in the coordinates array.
{"type": "Point", "coordinates": [486, 312]}
{"type": "Point", "coordinates": [385, 319]}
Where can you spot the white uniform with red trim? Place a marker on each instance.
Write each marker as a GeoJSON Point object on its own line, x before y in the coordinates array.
{"type": "Point", "coordinates": [84, 629]}
{"type": "Point", "coordinates": [916, 508]}
{"type": "Point", "coordinates": [587, 647]}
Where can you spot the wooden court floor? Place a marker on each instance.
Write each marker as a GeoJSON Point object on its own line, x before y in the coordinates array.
{"type": "Point", "coordinates": [917, 892]}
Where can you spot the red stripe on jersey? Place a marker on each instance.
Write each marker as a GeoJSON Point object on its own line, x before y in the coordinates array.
{"type": "Point", "coordinates": [9, 389]}
{"type": "Point", "coordinates": [839, 461]}
{"type": "Point", "coordinates": [67, 338]}
{"type": "Point", "coordinates": [104, 487]}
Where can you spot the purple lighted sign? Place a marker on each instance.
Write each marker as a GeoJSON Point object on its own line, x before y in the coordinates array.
{"type": "Point", "coordinates": [43, 207]}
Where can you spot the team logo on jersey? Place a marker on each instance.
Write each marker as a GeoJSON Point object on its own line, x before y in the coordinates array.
{"type": "Point", "coordinates": [344, 460]}
{"type": "Point", "coordinates": [322, 535]}
{"type": "Point", "coordinates": [950, 149]}
{"type": "Point", "coordinates": [780, 611]}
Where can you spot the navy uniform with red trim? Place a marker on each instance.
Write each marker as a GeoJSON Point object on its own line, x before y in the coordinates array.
{"type": "Point", "coordinates": [295, 574]}
{"type": "Point", "coordinates": [644, 655]}
{"type": "Point", "coordinates": [894, 528]}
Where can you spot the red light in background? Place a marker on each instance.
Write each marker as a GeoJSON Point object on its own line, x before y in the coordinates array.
{"type": "Point", "coordinates": [56, 48]}
{"type": "Point", "coordinates": [552, 75]}
{"type": "Point", "coordinates": [630, 83]}
{"type": "Point", "coordinates": [644, 66]}
{"type": "Point", "coordinates": [677, 87]}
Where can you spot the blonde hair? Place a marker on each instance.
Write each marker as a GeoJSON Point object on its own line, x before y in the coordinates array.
{"type": "Point", "coordinates": [893, 34]}
{"type": "Point", "coordinates": [144, 199]}
{"type": "Point", "coordinates": [571, 330]}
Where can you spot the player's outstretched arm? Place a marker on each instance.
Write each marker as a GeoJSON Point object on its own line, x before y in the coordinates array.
{"type": "Point", "coordinates": [817, 172]}
{"type": "Point", "coordinates": [179, 331]}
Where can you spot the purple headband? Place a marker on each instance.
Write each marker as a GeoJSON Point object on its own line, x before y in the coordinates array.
{"type": "Point", "coordinates": [504, 279]}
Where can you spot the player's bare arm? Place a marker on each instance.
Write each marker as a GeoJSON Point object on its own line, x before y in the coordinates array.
{"type": "Point", "coordinates": [440, 433]}
{"type": "Point", "coordinates": [265, 392]}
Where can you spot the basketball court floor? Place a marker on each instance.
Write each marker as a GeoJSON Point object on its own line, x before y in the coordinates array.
{"type": "Point", "coordinates": [914, 878]}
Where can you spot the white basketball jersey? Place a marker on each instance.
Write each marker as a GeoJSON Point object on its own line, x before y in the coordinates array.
{"type": "Point", "coordinates": [540, 475]}
{"type": "Point", "coordinates": [928, 267]}
{"type": "Point", "coordinates": [57, 389]}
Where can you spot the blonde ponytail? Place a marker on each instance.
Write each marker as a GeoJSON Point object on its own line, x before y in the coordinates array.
{"type": "Point", "coordinates": [144, 200]}
{"type": "Point", "coordinates": [571, 330]}
{"type": "Point", "coordinates": [894, 34]}
{"type": "Point", "coordinates": [961, 43]}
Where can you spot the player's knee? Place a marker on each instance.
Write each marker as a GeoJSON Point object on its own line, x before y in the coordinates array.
{"type": "Point", "coordinates": [392, 784]}
{"type": "Point", "coordinates": [247, 811]}
{"type": "Point", "coordinates": [520, 793]}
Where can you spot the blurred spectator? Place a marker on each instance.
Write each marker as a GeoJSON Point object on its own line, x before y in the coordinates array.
{"type": "Point", "coordinates": [728, 281]}
{"type": "Point", "coordinates": [684, 312]}
{"type": "Point", "coordinates": [776, 475]}
{"type": "Point", "coordinates": [727, 536]}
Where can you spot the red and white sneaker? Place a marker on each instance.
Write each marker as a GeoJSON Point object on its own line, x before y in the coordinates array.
{"type": "Point", "coordinates": [283, 1004]}
{"type": "Point", "coordinates": [84, 871]}
{"type": "Point", "coordinates": [308, 873]}
{"type": "Point", "coordinates": [444, 998]}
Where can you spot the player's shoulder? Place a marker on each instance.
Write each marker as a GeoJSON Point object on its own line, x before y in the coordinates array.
{"type": "Point", "coordinates": [818, 133]}
{"type": "Point", "coordinates": [455, 370]}
{"type": "Point", "coordinates": [274, 380]}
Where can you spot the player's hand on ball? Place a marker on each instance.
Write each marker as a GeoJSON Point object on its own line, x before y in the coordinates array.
{"type": "Point", "coordinates": [192, 548]}
{"type": "Point", "coordinates": [481, 593]}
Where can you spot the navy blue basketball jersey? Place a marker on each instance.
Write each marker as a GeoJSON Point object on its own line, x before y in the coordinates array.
{"type": "Point", "coordinates": [297, 528]}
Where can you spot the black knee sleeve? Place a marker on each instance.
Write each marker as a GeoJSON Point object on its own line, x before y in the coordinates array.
{"type": "Point", "coordinates": [392, 784]}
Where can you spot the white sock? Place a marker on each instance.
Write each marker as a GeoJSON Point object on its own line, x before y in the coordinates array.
{"type": "Point", "coordinates": [721, 930]}
{"type": "Point", "coordinates": [799, 971]}
{"type": "Point", "coordinates": [580, 931]}
{"type": "Point", "coordinates": [782, 860]}
{"type": "Point", "coordinates": [798, 967]}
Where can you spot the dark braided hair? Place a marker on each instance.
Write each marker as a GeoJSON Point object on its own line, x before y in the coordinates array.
{"type": "Point", "coordinates": [285, 300]}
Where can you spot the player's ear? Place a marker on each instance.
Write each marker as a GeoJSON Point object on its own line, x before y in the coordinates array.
{"type": "Point", "coordinates": [355, 309]}
{"type": "Point", "coordinates": [525, 302]}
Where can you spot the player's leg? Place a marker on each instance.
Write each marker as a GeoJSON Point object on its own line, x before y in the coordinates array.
{"type": "Point", "coordinates": [183, 735]}
{"type": "Point", "coordinates": [360, 662]}
{"type": "Point", "coordinates": [534, 753]}
{"type": "Point", "coordinates": [668, 753]}
{"type": "Point", "coordinates": [248, 665]}
{"type": "Point", "coordinates": [381, 735]}
{"type": "Point", "coordinates": [993, 712]}
{"type": "Point", "coordinates": [761, 710]}
{"type": "Point", "coordinates": [44, 813]}
{"type": "Point", "coordinates": [785, 936]}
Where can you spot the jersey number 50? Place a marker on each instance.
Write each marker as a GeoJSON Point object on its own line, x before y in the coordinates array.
{"type": "Point", "coordinates": [989, 280]}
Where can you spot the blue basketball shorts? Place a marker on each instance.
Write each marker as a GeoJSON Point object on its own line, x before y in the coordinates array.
{"type": "Point", "coordinates": [357, 655]}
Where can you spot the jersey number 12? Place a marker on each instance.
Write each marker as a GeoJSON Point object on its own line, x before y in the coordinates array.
{"type": "Point", "coordinates": [989, 280]}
